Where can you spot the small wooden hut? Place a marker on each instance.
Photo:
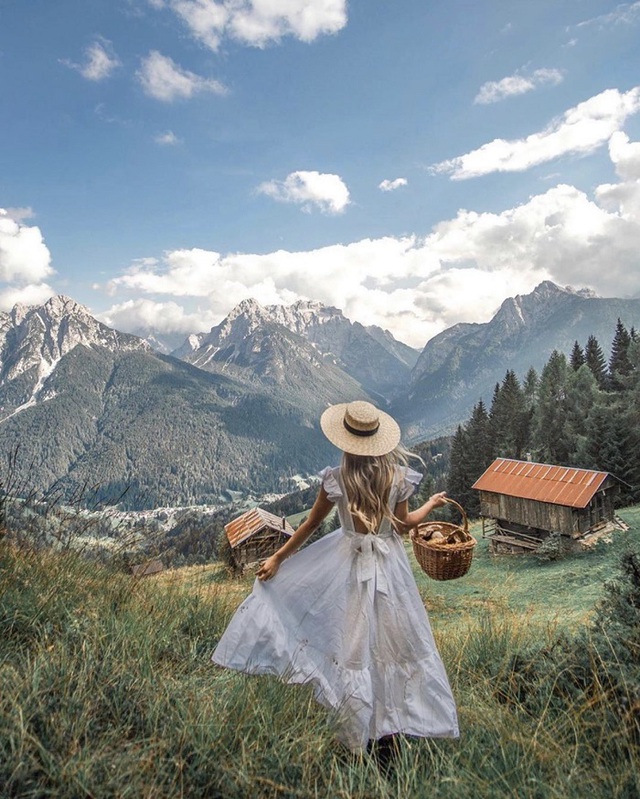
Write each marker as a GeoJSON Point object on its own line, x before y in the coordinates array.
{"type": "Point", "coordinates": [522, 503]}
{"type": "Point", "coordinates": [148, 568]}
{"type": "Point", "coordinates": [255, 535]}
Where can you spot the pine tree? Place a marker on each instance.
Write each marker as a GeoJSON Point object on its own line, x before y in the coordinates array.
{"type": "Point", "coordinates": [471, 453]}
{"type": "Point", "coordinates": [628, 409]}
{"type": "Point", "coordinates": [497, 413]}
{"type": "Point", "coordinates": [549, 424]}
{"type": "Point", "coordinates": [530, 388]}
{"type": "Point", "coordinates": [608, 442]}
{"type": "Point", "coordinates": [595, 360]}
{"type": "Point", "coordinates": [479, 441]}
{"type": "Point", "coordinates": [619, 364]}
{"type": "Point", "coordinates": [460, 482]}
{"type": "Point", "coordinates": [577, 358]}
{"type": "Point", "coordinates": [509, 418]}
{"type": "Point", "coordinates": [583, 395]}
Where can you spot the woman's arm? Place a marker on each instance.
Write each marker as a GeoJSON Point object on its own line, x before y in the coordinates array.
{"type": "Point", "coordinates": [412, 519]}
{"type": "Point", "coordinates": [317, 514]}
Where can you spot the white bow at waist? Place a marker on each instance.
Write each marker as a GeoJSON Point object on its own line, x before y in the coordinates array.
{"type": "Point", "coordinates": [370, 549]}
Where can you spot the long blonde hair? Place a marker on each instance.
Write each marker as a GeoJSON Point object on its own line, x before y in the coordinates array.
{"type": "Point", "coordinates": [368, 480]}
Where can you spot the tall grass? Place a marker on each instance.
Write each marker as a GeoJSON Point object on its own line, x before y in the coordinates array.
{"type": "Point", "coordinates": [107, 689]}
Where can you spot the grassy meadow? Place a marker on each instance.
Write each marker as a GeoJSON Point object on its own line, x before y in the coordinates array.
{"type": "Point", "coordinates": [107, 690]}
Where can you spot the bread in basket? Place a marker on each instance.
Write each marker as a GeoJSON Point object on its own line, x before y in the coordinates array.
{"type": "Point", "coordinates": [444, 550]}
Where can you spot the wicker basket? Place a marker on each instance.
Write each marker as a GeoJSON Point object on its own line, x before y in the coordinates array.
{"type": "Point", "coordinates": [445, 558]}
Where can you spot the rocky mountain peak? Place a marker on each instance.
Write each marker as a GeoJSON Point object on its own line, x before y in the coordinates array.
{"type": "Point", "coordinates": [529, 310]}
{"type": "Point", "coordinates": [35, 338]}
{"type": "Point", "coordinates": [247, 306]}
{"type": "Point", "coordinates": [241, 321]}
{"type": "Point", "coordinates": [60, 305]}
{"type": "Point", "coordinates": [59, 324]}
{"type": "Point", "coordinates": [304, 315]}
{"type": "Point", "coordinates": [549, 288]}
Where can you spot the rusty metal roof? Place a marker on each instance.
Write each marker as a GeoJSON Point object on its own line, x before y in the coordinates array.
{"type": "Point", "coordinates": [560, 485]}
{"type": "Point", "coordinates": [252, 522]}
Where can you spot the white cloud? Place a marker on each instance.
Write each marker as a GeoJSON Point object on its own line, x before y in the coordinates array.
{"type": "Point", "coordinates": [580, 130]}
{"type": "Point", "coordinates": [183, 273]}
{"type": "Point", "coordinates": [625, 155]}
{"type": "Point", "coordinates": [162, 78]}
{"type": "Point", "coordinates": [168, 139]}
{"type": "Point", "coordinates": [24, 257]}
{"type": "Point", "coordinates": [416, 287]}
{"type": "Point", "coordinates": [308, 189]}
{"type": "Point", "coordinates": [33, 294]}
{"type": "Point", "coordinates": [161, 317]}
{"type": "Point", "coordinates": [19, 214]}
{"type": "Point", "coordinates": [391, 185]}
{"type": "Point", "coordinates": [258, 22]}
{"type": "Point", "coordinates": [623, 14]}
{"type": "Point", "coordinates": [623, 198]}
{"type": "Point", "coordinates": [99, 63]}
{"type": "Point", "coordinates": [25, 261]}
{"type": "Point", "coordinates": [495, 90]}
{"type": "Point", "coordinates": [561, 235]}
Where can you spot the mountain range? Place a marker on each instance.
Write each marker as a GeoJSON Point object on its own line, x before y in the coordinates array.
{"type": "Point", "coordinates": [463, 363]}
{"type": "Point", "coordinates": [287, 347]}
{"type": "Point", "coordinates": [97, 415]}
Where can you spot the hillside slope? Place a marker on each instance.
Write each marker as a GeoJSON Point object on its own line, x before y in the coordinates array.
{"type": "Point", "coordinates": [158, 429]}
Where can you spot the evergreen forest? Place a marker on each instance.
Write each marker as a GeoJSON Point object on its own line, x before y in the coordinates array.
{"type": "Point", "coordinates": [582, 410]}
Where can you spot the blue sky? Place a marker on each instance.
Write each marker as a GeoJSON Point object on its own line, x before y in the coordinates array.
{"type": "Point", "coordinates": [413, 163]}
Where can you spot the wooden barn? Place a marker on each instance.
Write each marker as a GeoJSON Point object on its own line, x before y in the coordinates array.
{"type": "Point", "coordinates": [255, 535]}
{"type": "Point", "coordinates": [522, 503]}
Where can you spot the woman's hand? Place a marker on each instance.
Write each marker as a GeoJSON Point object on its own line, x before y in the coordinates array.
{"type": "Point", "coordinates": [438, 500]}
{"type": "Point", "coordinates": [269, 568]}
{"type": "Point", "coordinates": [408, 520]}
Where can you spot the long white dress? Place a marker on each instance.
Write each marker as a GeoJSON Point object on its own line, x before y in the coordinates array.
{"type": "Point", "coordinates": [345, 615]}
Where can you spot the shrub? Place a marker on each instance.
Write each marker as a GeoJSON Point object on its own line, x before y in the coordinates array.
{"type": "Point", "coordinates": [552, 548]}
{"type": "Point", "coordinates": [599, 668]}
{"type": "Point", "coordinates": [225, 552]}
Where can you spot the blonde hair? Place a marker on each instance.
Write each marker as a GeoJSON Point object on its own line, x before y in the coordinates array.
{"type": "Point", "coordinates": [367, 480]}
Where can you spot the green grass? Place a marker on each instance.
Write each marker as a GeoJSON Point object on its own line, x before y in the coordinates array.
{"type": "Point", "coordinates": [297, 518]}
{"type": "Point", "coordinates": [106, 689]}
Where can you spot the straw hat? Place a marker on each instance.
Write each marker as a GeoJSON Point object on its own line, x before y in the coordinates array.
{"type": "Point", "coordinates": [360, 428]}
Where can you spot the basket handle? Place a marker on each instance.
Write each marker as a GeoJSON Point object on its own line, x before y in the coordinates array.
{"type": "Point", "coordinates": [465, 520]}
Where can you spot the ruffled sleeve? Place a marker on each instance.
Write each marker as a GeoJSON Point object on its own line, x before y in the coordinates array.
{"type": "Point", "coordinates": [409, 479]}
{"type": "Point", "coordinates": [330, 483]}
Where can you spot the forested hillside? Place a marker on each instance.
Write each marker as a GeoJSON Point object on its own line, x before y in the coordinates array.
{"type": "Point", "coordinates": [582, 410]}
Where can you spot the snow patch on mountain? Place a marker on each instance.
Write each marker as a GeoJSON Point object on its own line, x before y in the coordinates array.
{"type": "Point", "coordinates": [37, 394]}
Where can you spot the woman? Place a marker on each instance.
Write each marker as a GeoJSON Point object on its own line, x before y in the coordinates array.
{"type": "Point", "coordinates": [345, 614]}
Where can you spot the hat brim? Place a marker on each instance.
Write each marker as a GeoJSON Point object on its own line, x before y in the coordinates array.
{"type": "Point", "coordinates": [383, 441]}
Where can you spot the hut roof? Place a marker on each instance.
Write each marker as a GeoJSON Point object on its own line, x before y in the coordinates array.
{"type": "Point", "coordinates": [542, 482]}
{"type": "Point", "coordinates": [252, 522]}
{"type": "Point", "coordinates": [148, 568]}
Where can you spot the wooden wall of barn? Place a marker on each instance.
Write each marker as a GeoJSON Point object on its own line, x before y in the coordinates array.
{"type": "Point", "coordinates": [541, 515]}
{"type": "Point", "coordinates": [549, 516]}
{"type": "Point", "coordinates": [259, 546]}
